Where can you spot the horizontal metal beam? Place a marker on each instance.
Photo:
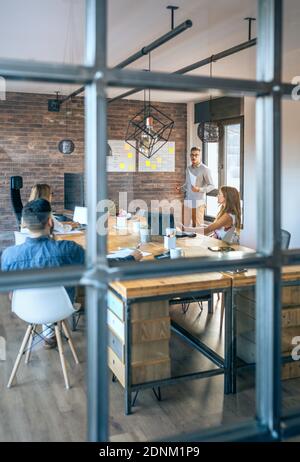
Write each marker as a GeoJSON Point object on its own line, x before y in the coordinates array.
{"type": "Point", "coordinates": [78, 274]}
{"type": "Point", "coordinates": [174, 82]}
{"type": "Point", "coordinates": [46, 277]}
{"type": "Point", "coordinates": [178, 379]}
{"type": "Point", "coordinates": [186, 266]}
{"type": "Point", "coordinates": [156, 43]}
{"type": "Point", "coordinates": [196, 65]}
{"type": "Point", "coordinates": [217, 56]}
{"type": "Point", "coordinates": [45, 72]}
{"type": "Point", "coordinates": [148, 269]}
{"type": "Point", "coordinates": [144, 51]}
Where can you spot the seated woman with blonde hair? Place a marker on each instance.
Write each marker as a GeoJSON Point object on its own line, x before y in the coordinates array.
{"type": "Point", "coordinates": [228, 221]}
{"type": "Point", "coordinates": [44, 191]}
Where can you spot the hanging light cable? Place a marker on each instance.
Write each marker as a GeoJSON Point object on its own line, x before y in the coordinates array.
{"type": "Point", "coordinates": [66, 146]}
{"type": "Point", "coordinates": [211, 131]}
{"type": "Point", "coordinates": [149, 129]}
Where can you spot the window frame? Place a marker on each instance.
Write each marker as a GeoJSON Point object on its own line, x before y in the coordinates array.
{"type": "Point", "coordinates": [268, 259]}
{"type": "Point", "coordinates": [221, 167]}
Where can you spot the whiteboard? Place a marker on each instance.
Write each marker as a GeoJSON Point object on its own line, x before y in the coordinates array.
{"type": "Point", "coordinates": [123, 158]}
{"type": "Point", "coordinates": [162, 161]}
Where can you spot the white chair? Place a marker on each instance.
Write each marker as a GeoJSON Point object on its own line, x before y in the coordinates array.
{"type": "Point", "coordinates": [20, 238]}
{"type": "Point", "coordinates": [43, 306]}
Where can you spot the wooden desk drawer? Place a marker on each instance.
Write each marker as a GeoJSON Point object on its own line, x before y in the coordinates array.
{"type": "Point", "coordinates": [150, 351]}
{"type": "Point", "coordinates": [116, 345]}
{"type": "Point", "coordinates": [149, 310]}
{"type": "Point", "coordinates": [116, 366]}
{"type": "Point", "coordinates": [151, 370]}
{"type": "Point", "coordinates": [115, 305]}
{"type": "Point", "coordinates": [150, 330]}
{"type": "Point", "coordinates": [116, 325]}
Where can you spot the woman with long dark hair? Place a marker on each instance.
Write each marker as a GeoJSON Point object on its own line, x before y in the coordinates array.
{"type": "Point", "coordinates": [228, 221]}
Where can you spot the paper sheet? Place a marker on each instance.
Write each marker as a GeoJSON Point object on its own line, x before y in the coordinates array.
{"type": "Point", "coordinates": [124, 253]}
{"type": "Point", "coordinates": [73, 231]}
{"type": "Point", "coordinates": [193, 179]}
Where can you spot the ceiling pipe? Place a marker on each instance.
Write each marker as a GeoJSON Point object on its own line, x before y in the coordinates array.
{"type": "Point", "coordinates": [143, 52]}
{"type": "Point", "coordinates": [203, 62]}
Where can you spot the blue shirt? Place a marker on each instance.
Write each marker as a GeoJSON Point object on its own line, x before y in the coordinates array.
{"type": "Point", "coordinates": [43, 252]}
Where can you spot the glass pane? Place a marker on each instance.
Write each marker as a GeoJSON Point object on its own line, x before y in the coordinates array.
{"type": "Point", "coordinates": [213, 165]}
{"type": "Point", "coordinates": [232, 155]}
{"type": "Point", "coordinates": [49, 32]}
{"type": "Point", "coordinates": [290, 373]}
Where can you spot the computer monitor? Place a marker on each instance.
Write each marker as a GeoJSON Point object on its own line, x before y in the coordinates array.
{"type": "Point", "coordinates": [158, 222]}
{"type": "Point", "coordinates": [73, 190]}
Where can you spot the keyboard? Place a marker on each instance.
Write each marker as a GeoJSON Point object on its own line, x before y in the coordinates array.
{"type": "Point", "coordinates": [180, 234]}
{"type": "Point", "coordinates": [61, 217]}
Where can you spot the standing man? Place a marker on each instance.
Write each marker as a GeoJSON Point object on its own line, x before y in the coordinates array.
{"type": "Point", "coordinates": [198, 182]}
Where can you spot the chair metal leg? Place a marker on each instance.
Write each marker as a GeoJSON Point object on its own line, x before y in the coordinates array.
{"type": "Point", "coordinates": [18, 360]}
{"type": "Point", "coordinates": [222, 310]}
{"type": "Point", "coordinates": [70, 341]}
{"type": "Point", "coordinates": [28, 352]}
{"type": "Point", "coordinates": [61, 355]}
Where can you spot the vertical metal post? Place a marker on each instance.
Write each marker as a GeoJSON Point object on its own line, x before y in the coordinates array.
{"type": "Point", "coordinates": [229, 337]}
{"type": "Point", "coordinates": [268, 293]}
{"type": "Point", "coordinates": [128, 368]}
{"type": "Point", "coordinates": [95, 139]}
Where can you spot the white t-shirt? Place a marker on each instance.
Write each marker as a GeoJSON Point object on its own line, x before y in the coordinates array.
{"type": "Point", "coordinates": [228, 235]}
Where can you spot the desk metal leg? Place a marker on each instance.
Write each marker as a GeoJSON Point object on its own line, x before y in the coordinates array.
{"type": "Point", "coordinates": [128, 403]}
{"type": "Point", "coordinates": [229, 340]}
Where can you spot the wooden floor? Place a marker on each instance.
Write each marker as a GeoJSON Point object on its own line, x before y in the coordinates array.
{"type": "Point", "coordinates": [38, 408]}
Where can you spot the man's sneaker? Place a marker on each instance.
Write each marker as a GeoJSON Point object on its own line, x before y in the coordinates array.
{"type": "Point", "coordinates": [50, 342]}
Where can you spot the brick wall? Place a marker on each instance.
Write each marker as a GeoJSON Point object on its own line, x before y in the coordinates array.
{"type": "Point", "coordinates": [29, 135]}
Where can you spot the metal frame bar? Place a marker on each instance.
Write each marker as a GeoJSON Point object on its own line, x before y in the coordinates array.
{"type": "Point", "coordinates": [96, 293]}
{"type": "Point", "coordinates": [143, 52]}
{"type": "Point", "coordinates": [268, 285]}
{"type": "Point", "coordinates": [196, 65]}
{"type": "Point", "coordinates": [269, 90]}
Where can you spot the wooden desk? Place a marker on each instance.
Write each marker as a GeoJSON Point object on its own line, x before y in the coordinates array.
{"type": "Point", "coordinates": [139, 321]}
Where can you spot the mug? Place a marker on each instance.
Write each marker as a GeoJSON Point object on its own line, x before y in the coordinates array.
{"type": "Point", "coordinates": [176, 253]}
{"type": "Point", "coordinates": [121, 222]}
{"type": "Point", "coordinates": [145, 235]}
{"type": "Point", "coordinates": [171, 232]}
{"type": "Point", "coordinates": [169, 242]}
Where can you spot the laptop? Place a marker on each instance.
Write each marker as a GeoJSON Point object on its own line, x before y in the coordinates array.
{"type": "Point", "coordinates": [80, 216]}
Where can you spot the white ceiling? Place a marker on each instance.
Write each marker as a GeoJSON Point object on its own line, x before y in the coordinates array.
{"type": "Point", "coordinates": [54, 31]}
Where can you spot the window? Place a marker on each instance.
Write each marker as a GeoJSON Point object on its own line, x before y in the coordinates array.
{"type": "Point", "coordinates": [225, 160]}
